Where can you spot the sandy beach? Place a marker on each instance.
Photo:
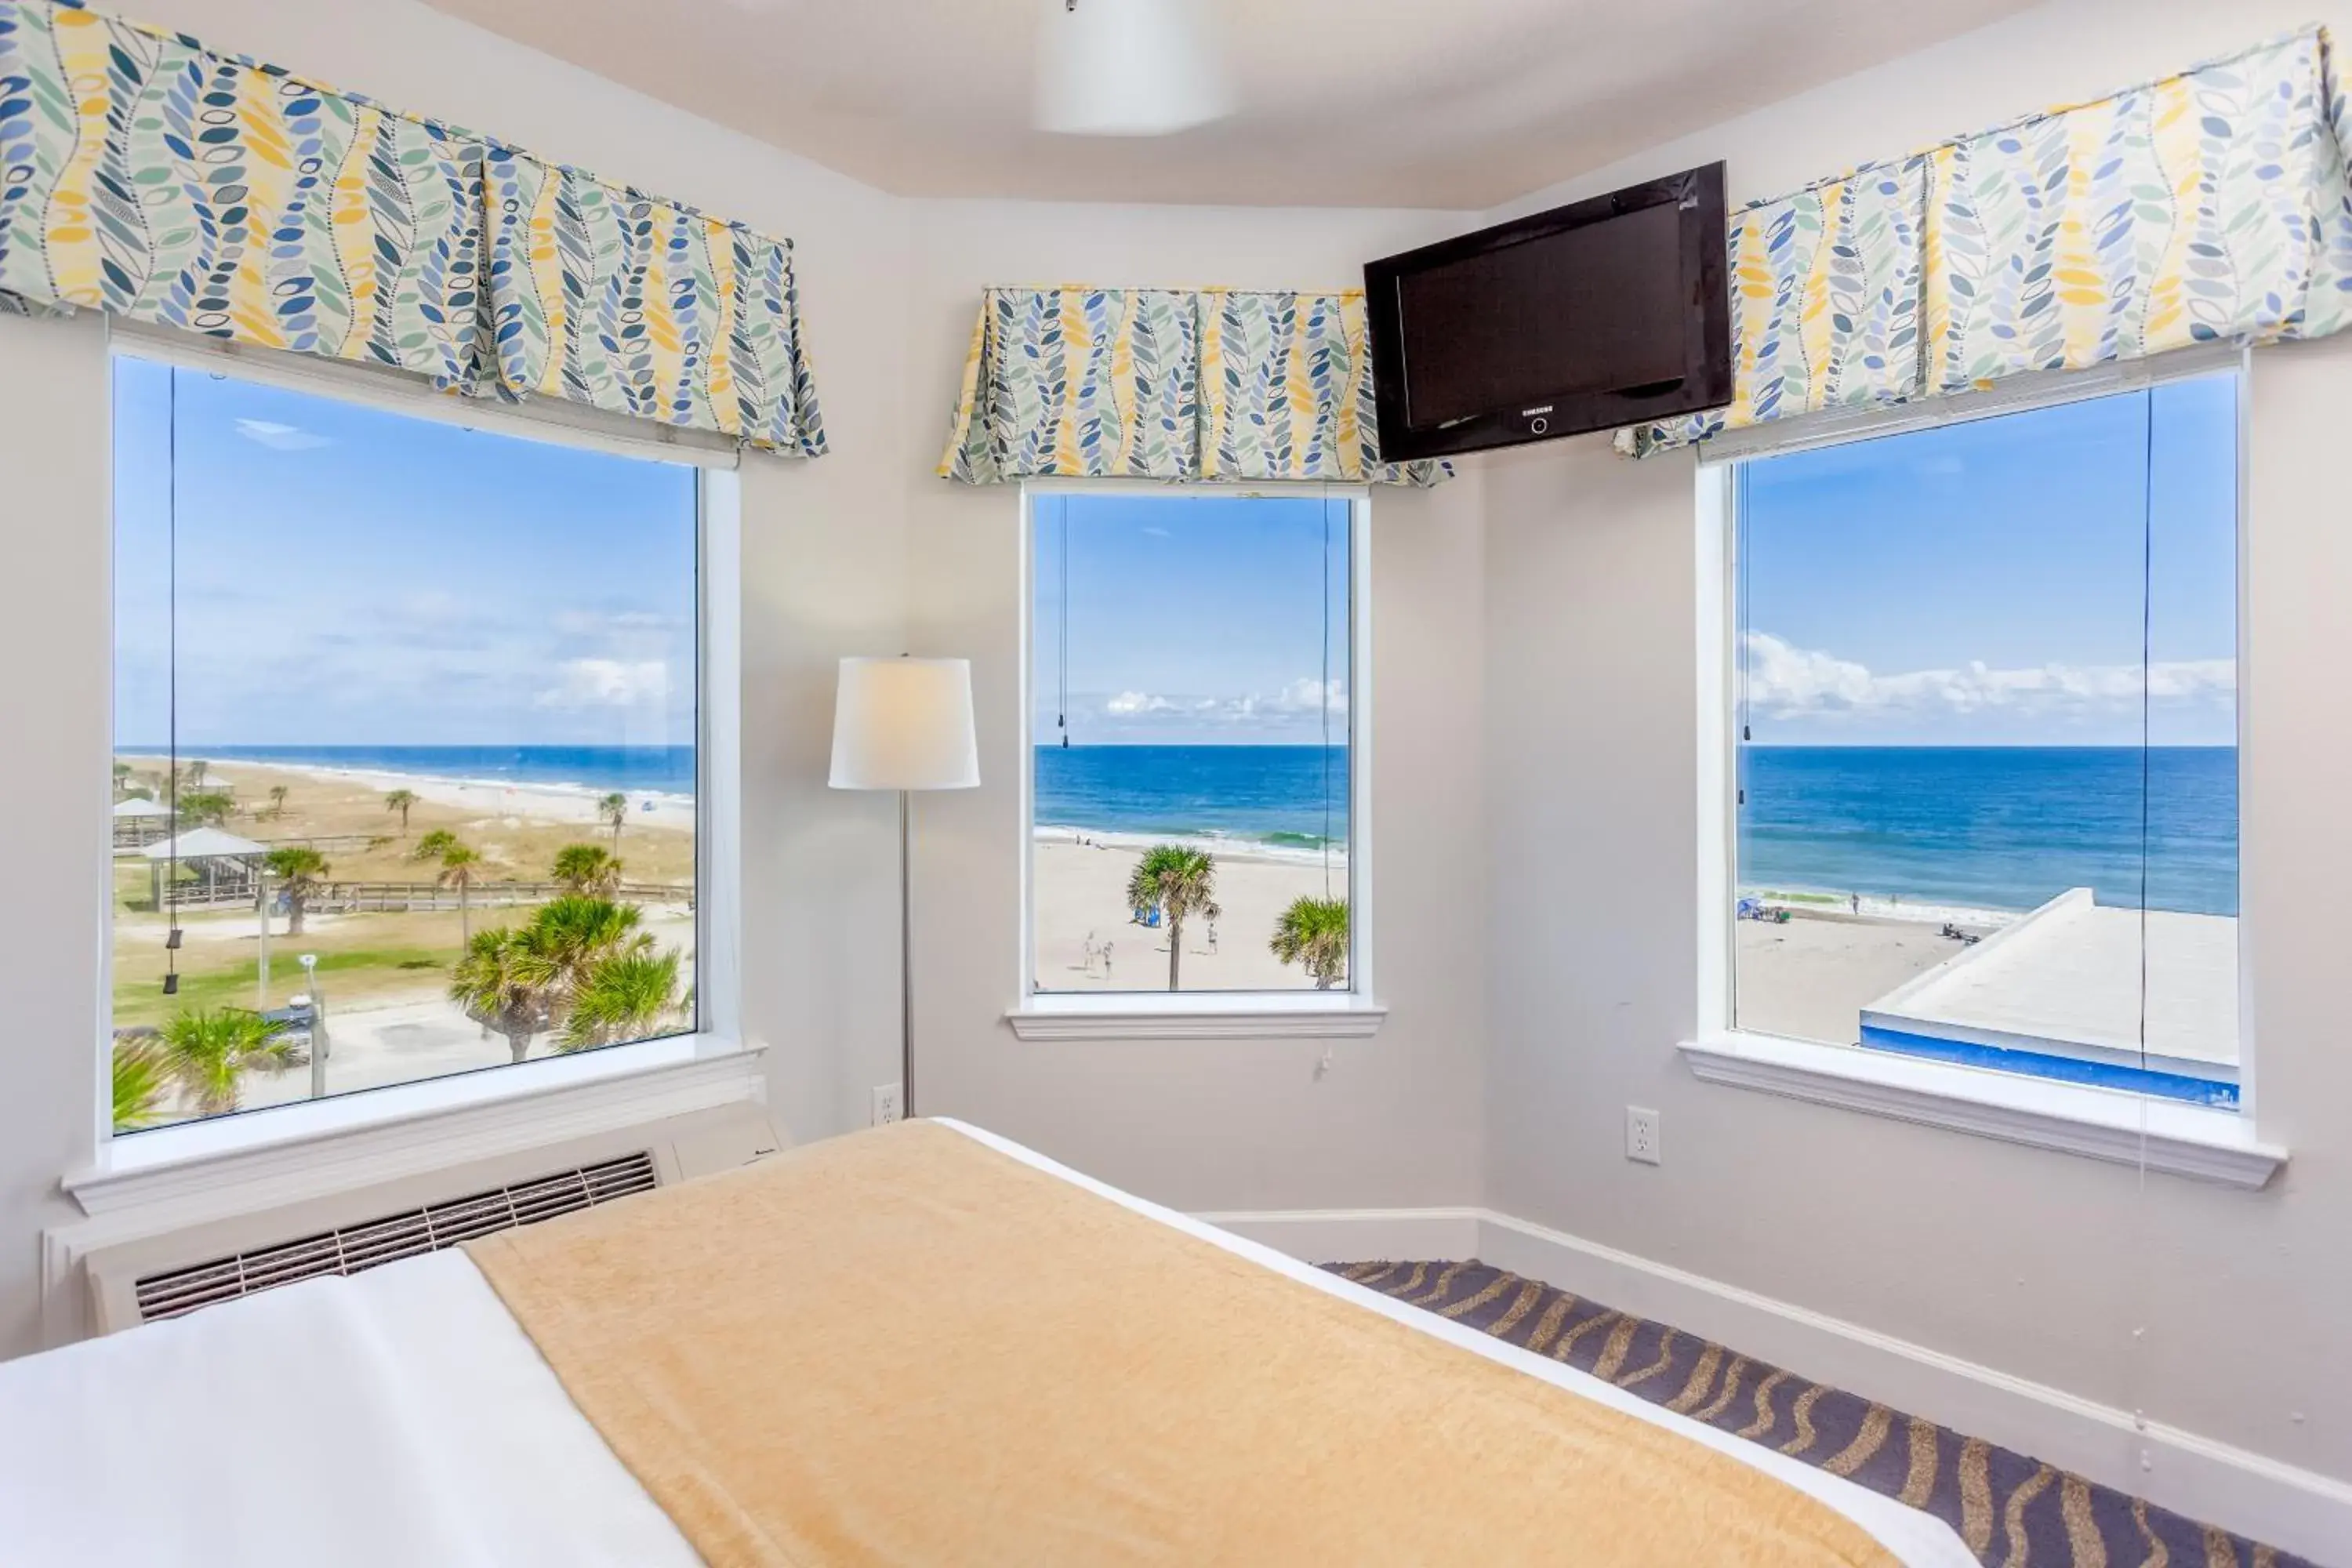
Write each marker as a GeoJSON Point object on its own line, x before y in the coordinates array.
{"type": "Point", "coordinates": [385, 974]}
{"type": "Point", "coordinates": [1080, 890]}
{"type": "Point", "coordinates": [1809, 979]}
{"type": "Point", "coordinates": [492, 798]}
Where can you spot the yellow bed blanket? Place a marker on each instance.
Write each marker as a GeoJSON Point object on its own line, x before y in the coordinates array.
{"type": "Point", "coordinates": [905, 1347]}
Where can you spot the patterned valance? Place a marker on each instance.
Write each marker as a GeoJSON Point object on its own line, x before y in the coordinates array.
{"type": "Point", "coordinates": [605, 296]}
{"type": "Point", "coordinates": [149, 177]}
{"type": "Point", "coordinates": [1177, 384]}
{"type": "Point", "coordinates": [2211, 206]}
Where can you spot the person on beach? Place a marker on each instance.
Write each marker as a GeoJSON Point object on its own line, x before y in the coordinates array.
{"type": "Point", "coordinates": [1856, 898]}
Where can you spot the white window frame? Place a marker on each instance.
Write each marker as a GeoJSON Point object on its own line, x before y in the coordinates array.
{"type": "Point", "coordinates": [2115, 1125]}
{"type": "Point", "coordinates": [279, 1152]}
{"type": "Point", "coordinates": [1351, 1012]}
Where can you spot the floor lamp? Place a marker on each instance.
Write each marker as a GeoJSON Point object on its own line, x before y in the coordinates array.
{"type": "Point", "coordinates": [905, 724]}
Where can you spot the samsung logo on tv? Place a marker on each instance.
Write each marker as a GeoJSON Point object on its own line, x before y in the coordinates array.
{"type": "Point", "coordinates": [1530, 413]}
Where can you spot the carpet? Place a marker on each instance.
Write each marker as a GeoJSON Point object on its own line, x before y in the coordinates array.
{"type": "Point", "coordinates": [2011, 1509]}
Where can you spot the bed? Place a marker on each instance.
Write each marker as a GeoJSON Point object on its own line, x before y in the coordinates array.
{"type": "Point", "coordinates": [923, 1344]}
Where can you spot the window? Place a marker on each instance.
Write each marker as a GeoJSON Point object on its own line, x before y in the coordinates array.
{"type": "Point", "coordinates": [1190, 666]}
{"type": "Point", "coordinates": [1985, 781]}
{"type": "Point", "coordinates": [405, 742]}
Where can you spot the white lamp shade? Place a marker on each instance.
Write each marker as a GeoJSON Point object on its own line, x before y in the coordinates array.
{"type": "Point", "coordinates": [1128, 68]}
{"type": "Point", "coordinates": [905, 723]}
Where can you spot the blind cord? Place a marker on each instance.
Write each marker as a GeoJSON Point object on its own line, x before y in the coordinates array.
{"type": "Point", "coordinates": [171, 684]}
{"type": "Point", "coordinates": [1326, 693]}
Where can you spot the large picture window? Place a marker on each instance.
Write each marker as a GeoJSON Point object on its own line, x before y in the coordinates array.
{"type": "Point", "coordinates": [405, 771]}
{"type": "Point", "coordinates": [1985, 713]}
{"type": "Point", "coordinates": [1191, 671]}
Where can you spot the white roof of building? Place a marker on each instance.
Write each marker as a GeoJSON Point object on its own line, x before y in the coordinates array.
{"type": "Point", "coordinates": [142, 808]}
{"type": "Point", "coordinates": [2070, 977]}
{"type": "Point", "coordinates": [205, 843]}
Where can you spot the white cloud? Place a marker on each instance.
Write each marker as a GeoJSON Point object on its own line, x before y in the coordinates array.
{"type": "Point", "coordinates": [609, 683]}
{"type": "Point", "coordinates": [1128, 704]}
{"type": "Point", "coordinates": [1307, 695]}
{"type": "Point", "coordinates": [1789, 682]}
{"type": "Point", "coordinates": [281, 437]}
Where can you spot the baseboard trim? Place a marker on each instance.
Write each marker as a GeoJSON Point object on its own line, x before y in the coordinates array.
{"type": "Point", "coordinates": [2297, 1510]}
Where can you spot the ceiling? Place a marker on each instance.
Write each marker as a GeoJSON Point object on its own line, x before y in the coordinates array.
{"type": "Point", "coordinates": [1434, 103]}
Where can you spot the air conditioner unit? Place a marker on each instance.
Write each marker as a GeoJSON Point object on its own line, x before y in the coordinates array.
{"type": "Point", "coordinates": [171, 1273]}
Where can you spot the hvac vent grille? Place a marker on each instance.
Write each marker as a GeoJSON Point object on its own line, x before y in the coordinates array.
{"type": "Point", "coordinates": [370, 1243]}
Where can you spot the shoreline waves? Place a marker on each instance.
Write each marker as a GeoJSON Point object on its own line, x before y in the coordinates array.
{"type": "Point", "coordinates": [1225, 847]}
{"type": "Point", "coordinates": [573, 803]}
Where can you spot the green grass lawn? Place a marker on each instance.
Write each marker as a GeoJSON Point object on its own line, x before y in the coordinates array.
{"type": "Point", "coordinates": [351, 975]}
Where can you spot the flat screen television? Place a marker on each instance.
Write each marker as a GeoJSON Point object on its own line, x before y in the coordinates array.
{"type": "Point", "coordinates": [1605, 312]}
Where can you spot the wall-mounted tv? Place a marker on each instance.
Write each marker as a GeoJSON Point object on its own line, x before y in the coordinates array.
{"type": "Point", "coordinates": [1605, 312]}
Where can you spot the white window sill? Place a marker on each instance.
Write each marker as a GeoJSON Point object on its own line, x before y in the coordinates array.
{"type": "Point", "coordinates": [297, 1150]}
{"type": "Point", "coordinates": [1203, 1016]}
{"type": "Point", "coordinates": [2174, 1137]}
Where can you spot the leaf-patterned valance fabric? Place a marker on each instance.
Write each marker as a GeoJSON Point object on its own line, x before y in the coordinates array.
{"type": "Point", "coordinates": [2210, 207]}
{"type": "Point", "coordinates": [1175, 384]}
{"type": "Point", "coordinates": [149, 177]}
{"type": "Point", "coordinates": [612, 299]}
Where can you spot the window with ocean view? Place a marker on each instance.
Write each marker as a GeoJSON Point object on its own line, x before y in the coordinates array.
{"type": "Point", "coordinates": [1190, 672]}
{"type": "Point", "coordinates": [406, 724]}
{"type": "Point", "coordinates": [1986, 790]}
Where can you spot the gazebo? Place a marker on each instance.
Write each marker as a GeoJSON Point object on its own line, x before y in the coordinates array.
{"type": "Point", "coordinates": [226, 868]}
{"type": "Point", "coordinates": [138, 822]}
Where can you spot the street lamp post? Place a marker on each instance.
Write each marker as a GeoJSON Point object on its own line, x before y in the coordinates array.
{"type": "Point", "coordinates": [318, 1026]}
{"type": "Point", "coordinates": [261, 1000]}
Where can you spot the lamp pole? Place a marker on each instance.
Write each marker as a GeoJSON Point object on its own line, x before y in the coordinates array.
{"type": "Point", "coordinates": [318, 1026]}
{"type": "Point", "coordinates": [261, 991]}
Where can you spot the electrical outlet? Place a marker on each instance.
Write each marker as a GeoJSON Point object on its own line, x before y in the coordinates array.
{"type": "Point", "coordinates": [1642, 1135]}
{"type": "Point", "coordinates": [889, 1105]}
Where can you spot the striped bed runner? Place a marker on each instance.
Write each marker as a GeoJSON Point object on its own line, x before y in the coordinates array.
{"type": "Point", "coordinates": [2011, 1511]}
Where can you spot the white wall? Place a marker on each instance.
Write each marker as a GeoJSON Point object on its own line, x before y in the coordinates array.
{"type": "Point", "coordinates": [823, 575]}
{"type": "Point", "coordinates": [1236, 1124]}
{"type": "Point", "coordinates": [888, 288]}
{"type": "Point", "coordinates": [2040, 1265]}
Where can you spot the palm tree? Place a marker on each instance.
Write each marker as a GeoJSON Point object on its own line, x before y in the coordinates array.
{"type": "Point", "coordinates": [501, 988]}
{"type": "Point", "coordinates": [205, 1051]}
{"type": "Point", "coordinates": [1314, 933]}
{"type": "Point", "coordinates": [434, 845]}
{"type": "Point", "coordinates": [140, 1078]}
{"type": "Point", "coordinates": [1180, 882]}
{"type": "Point", "coordinates": [205, 808]}
{"type": "Point", "coordinates": [587, 870]}
{"type": "Point", "coordinates": [399, 800]}
{"type": "Point", "coordinates": [614, 808]}
{"type": "Point", "coordinates": [571, 936]}
{"type": "Point", "coordinates": [195, 773]}
{"type": "Point", "coordinates": [303, 870]}
{"type": "Point", "coordinates": [623, 997]}
{"type": "Point", "coordinates": [459, 867]}
{"type": "Point", "coordinates": [121, 779]}
{"type": "Point", "coordinates": [277, 800]}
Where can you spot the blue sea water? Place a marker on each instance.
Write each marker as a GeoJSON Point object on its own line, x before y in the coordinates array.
{"type": "Point", "coordinates": [1288, 796]}
{"type": "Point", "coordinates": [1994, 827]}
{"type": "Point", "coordinates": [632, 770]}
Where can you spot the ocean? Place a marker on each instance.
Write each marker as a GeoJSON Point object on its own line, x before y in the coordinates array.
{"type": "Point", "coordinates": [1289, 796]}
{"type": "Point", "coordinates": [1994, 827]}
{"type": "Point", "coordinates": [632, 770]}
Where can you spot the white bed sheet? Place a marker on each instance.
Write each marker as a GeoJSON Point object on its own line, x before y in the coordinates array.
{"type": "Point", "coordinates": [401, 1417]}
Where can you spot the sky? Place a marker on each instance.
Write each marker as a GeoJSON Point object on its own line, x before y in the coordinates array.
{"type": "Point", "coordinates": [1191, 619]}
{"type": "Point", "coordinates": [348, 576]}
{"type": "Point", "coordinates": [1987, 583]}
